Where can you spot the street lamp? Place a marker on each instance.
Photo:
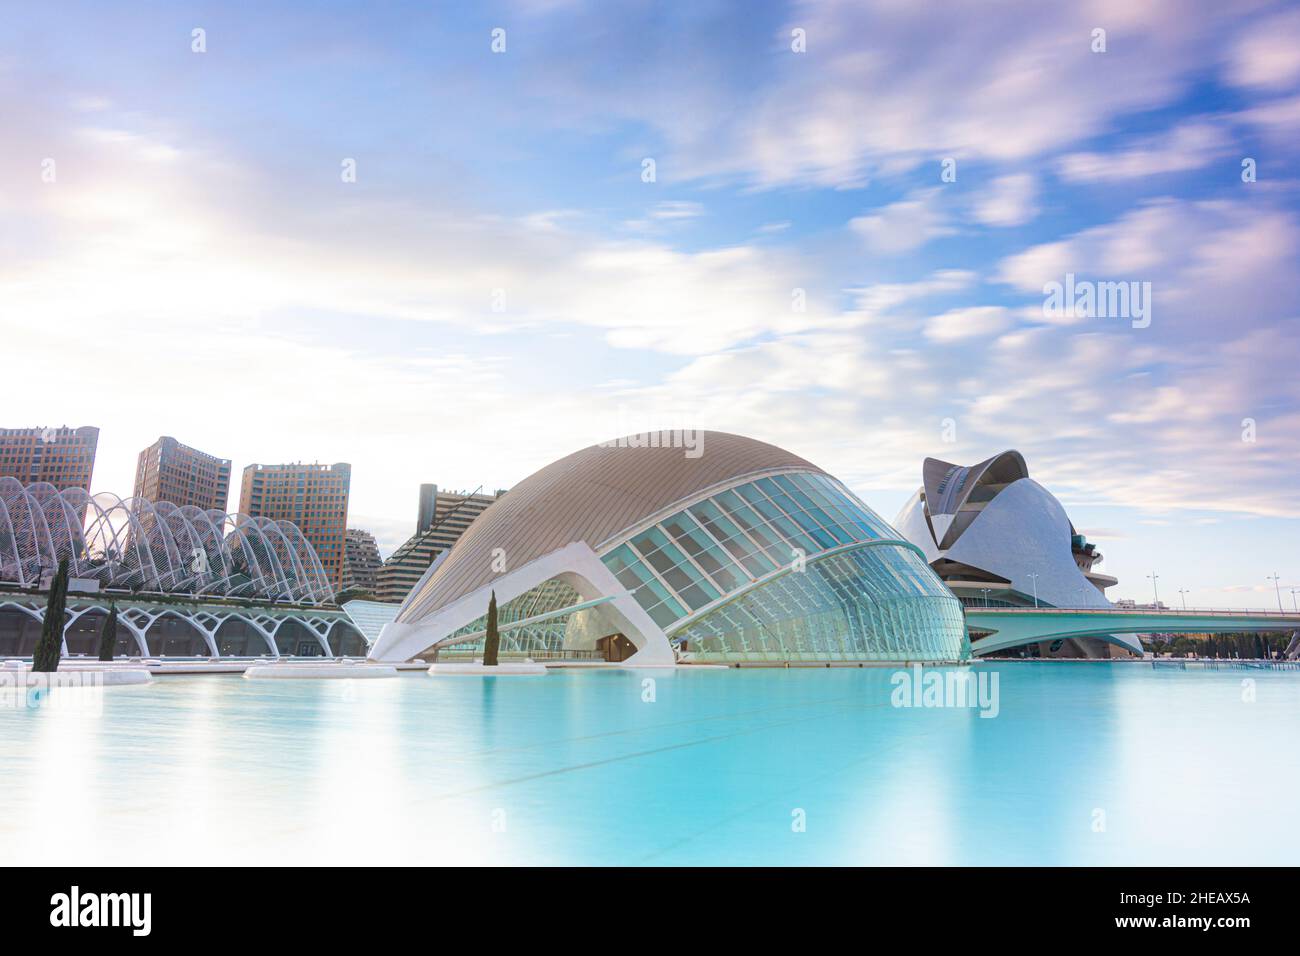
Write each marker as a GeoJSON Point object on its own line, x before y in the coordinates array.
{"type": "Point", "coordinates": [1034, 577]}
{"type": "Point", "coordinates": [1154, 578]}
{"type": "Point", "coordinates": [1184, 592]}
{"type": "Point", "coordinates": [1293, 600]}
{"type": "Point", "coordinates": [986, 596]}
{"type": "Point", "coordinates": [1275, 578]}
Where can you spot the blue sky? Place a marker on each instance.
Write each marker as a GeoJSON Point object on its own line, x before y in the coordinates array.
{"type": "Point", "coordinates": [207, 273]}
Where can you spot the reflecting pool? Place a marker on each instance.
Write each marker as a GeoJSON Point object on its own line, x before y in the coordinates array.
{"type": "Point", "coordinates": [1084, 763]}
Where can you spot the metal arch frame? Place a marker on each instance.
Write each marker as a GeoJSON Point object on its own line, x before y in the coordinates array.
{"type": "Point", "coordinates": [21, 505]}
{"type": "Point", "coordinates": [10, 564]}
{"type": "Point", "coordinates": [36, 614]}
{"type": "Point", "coordinates": [343, 622]}
{"type": "Point", "coordinates": [142, 546]}
{"type": "Point", "coordinates": [206, 620]}
{"type": "Point", "coordinates": [76, 614]}
{"type": "Point", "coordinates": [308, 624]}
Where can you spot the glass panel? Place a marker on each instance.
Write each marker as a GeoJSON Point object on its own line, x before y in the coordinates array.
{"type": "Point", "coordinates": [666, 613]}
{"type": "Point", "coordinates": [778, 521]}
{"type": "Point", "coordinates": [673, 567]}
{"type": "Point", "coordinates": [828, 506]}
{"type": "Point", "coordinates": [771, 543]}
{"type": "Point", "coordinates": [851, 606]}
{"type": "Point", "coordinates": [863, 516]}
{"type": "Point", "coordinates": [707, 555]}
{"type": "Point", "coordinates": [649, 593]}
{"type": "Point", "coordinates": [814, 522]}
{"type": "Point", "coordinates": [721, 527]}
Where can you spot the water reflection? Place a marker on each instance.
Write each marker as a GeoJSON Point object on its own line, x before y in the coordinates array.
{"type": "Point", "coordinates": [700, 766]}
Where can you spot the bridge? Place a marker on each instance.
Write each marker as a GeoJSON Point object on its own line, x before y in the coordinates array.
{"type": "Point", "coordinates": [1014, 627]}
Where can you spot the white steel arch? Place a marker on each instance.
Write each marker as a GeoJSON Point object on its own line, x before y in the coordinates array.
{"type": "Point", "coordinates": [268, 624]}
{"type": "Point", "coordinates": [142, 546]}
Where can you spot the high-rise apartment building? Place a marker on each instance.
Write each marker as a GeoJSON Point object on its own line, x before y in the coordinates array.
{"type": "Point", "coordinates": [361, 561]}
{"type": "Point", "coordinates": [65, 457]}
{"type": "Point", "coordinates": [170, 471]}
{"type": "Point", "coordinates": [442, 518]}
{"type": "Point", "coordinates": [314, 497]}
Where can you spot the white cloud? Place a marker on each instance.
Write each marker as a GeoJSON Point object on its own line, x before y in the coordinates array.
{"type": "Point", "coordinates": [1010, 201]}
{"type": "Point", "coordinates": [201, 232]}
{"type": "Point", "coordinates": [1209, 263]}
{"type": "Point", "coordinates": [212, 293]}
{"type": "Point", "coordinates": [1278, 116]}
{"type": "Point", "coordinates": [1267, 54]}
{"type": "Point", "coordinates": [877, 298]}
{"type": "Point", "coordinates": [1189, 145]}
{"type": "Point", "coordinates": [677, 209]}
{"type": "Point", "coordinates": [975, 322]}
{"type": "Point", "coordinates": [904, 225]}
{"type": "Point", "coordinates": [849, 112]}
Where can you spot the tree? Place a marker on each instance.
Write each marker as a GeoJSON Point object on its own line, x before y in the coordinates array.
{"type": "Point", "coordinates": [108, 636]}
{"type": "Point", "coordinates": [492, 641]}
{"type": "Point", "coordinates": [354, 593]}
{"type": "Point", "coordinates": [50, 646]}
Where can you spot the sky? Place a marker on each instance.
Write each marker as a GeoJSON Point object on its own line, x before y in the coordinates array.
{"type": "Point", "coordinates": [386, 233]}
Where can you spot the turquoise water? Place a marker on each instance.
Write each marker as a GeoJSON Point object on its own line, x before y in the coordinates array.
{"type": "Point", "coordinates": [1083, 764]}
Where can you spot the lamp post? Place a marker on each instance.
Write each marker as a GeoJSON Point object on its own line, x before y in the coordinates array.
{"type": "Point", "coordinates": [1033, 575]}
{"type": "Point", "coordinates": [1155, 590]}
{"type": "Point", "coordinates": [1294, 604]}
{"type": "Point", "coordinates": [1183, 592]}
{"type": "Point", "coordinates": [1276, 587]}
{"type": "Point", "coordinates": [986, 596]}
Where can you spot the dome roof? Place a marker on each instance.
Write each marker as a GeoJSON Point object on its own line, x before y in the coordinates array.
{"type": "Point", "coordinates": [589, 496]}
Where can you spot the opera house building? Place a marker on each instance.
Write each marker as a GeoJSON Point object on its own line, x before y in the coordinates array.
{"type": "Point", "coordinates": [998, 538]}
{"type": "Point", "coordinates": [729, 551]}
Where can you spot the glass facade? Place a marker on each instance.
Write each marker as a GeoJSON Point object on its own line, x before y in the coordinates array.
{"type": "Point", "coordinates": [878, 602]}
{"type": "Point", "coordinates": [547, 639]}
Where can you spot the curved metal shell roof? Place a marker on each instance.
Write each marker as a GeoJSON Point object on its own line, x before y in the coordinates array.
{"type": "Point", "coordinates": [588, 496]}
{"type": "Point", "coordinates": [947, 486]}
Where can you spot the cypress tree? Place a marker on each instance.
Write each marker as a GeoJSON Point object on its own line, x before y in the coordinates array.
{"type": "Point", "coordinates": [50, 646]}
{"type": "Point", "coordinates": [492, 640]}
{"type": "Point", "coordinates": [108, 636]}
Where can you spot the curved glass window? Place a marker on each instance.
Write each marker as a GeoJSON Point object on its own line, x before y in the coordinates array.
{"type": "Point", "coordinates": [847, 606]}
{"type": "Point", "coordinates": [708, 557]}
{"type": "Point", "coordinates": [649, 593]}
{"type": "Point", "coordinates": [672, 567]}
{"type": "Point", "coordinates": [755, 528]}
{"type": "Point", "coordinates": [738, 544]}
{"type": "Point", "coordinates": [721, 545]}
